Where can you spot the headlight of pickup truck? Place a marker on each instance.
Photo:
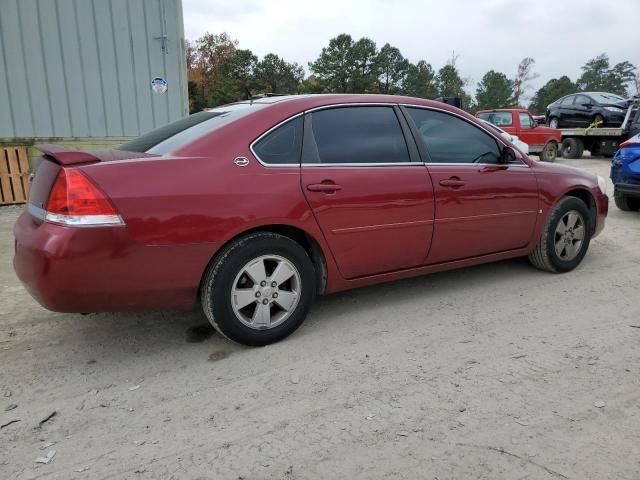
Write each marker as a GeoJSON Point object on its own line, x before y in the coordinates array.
{"type": "Point", "coordinates": [614, 109]}
{"type": "Point", "coordinates": [602, 184]}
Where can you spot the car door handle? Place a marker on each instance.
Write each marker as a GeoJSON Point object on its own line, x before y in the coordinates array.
{"type": "Point", "coordinates": [453, 182]}
{"type": "Point", "coordinates": [324, 187]}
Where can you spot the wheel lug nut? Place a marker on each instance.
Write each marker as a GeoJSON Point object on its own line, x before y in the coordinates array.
{"type": "Point", "coordinates": [274, 284]}
{"type": "Point", "coordinates": [275, 294]}
{"type": "Point", "coordinates": [263, 283]}
{"type": "Point", "coordinates": [257, 294]}
{"type": "Point", "coordinates": [265, 301]}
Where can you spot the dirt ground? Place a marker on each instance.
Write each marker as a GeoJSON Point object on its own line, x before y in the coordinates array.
{"type": "Point", "coordinates": [497, 371]}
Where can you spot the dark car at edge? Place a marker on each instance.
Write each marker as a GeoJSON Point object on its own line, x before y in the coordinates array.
{"type": "Point", "coordinates": [586, 108]}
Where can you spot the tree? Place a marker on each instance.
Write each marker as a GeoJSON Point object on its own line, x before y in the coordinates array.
{"type": "Point", "coordinates": [550, 92]}
{"type": "Point", "coordinates": [392, 69]}
{"type": "Point", "coordinates": [495, 90]}
{"type": "Point", "coordinates": [363, 57]}
{"type": "Point", "coordinates": [420, 81]}
{"type": "Point", "coordinates": [597, 75]}
{"type": "Point", "coordinates": [235, 77]}
{"type": "Point", "coordinates": [335, 66]}
{"type": "Point", "coordinates": [523, 77]}
{"type": "Point", "coordinates": [450, 84]}
{"type": "Point", "coordinates": [278, 76]}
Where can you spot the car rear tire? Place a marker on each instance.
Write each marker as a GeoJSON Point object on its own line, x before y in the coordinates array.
{"type": "Point", "coordinates": [553, 122]}
{"type": "Point", "coordinates": [625, 202]}
{"type": "Point", "coordinates": [259, 289]}
{"type": "Point", "coordinates": [565, 238]}
{"type": "Point", "coordinates": [572, 148]}
{"type": "Point", "coordinates": [549, 153]}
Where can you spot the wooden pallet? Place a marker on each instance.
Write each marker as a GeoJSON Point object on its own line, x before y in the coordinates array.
{"type": "Point", "coordinates": [14, 175]}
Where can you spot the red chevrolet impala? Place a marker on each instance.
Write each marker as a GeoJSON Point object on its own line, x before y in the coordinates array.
{"type": "Point", "coordinates": [254, 208]}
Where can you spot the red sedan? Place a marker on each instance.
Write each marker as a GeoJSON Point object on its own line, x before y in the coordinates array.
{"type": "Point", "coordinates": [253, 209]}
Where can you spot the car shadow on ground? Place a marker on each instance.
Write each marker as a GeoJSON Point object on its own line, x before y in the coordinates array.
{"type": "Point", "coordinates": [172, 332]}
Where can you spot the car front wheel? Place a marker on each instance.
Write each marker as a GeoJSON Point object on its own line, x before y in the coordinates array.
{"type": "Point", "coordinates": [565, 238]}
{"type": "Point", "coordinates": [553, 122]}
{"type": "Point", "coordinates": [258, 290]}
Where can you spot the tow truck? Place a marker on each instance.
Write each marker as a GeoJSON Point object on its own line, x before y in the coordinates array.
{"type": "Point", "coordinates": [601, 141]}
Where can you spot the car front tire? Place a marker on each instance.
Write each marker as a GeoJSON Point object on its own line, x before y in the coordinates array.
{"type": "Point", "coordinates": [259, 289]}
{"type": "Point", "coordinates": [565, 238]}
{"type": "Point", "coordinates": [553, 122]}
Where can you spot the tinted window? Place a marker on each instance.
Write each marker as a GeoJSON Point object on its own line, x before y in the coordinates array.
{"type": "Point", "coordinates": [359, 135]}
{"type": "Point", "coordinates": [568, 100]}
{"type": "Point", "coordinates": [179, 133]}
{"type": "Point", "coordinates": [450, 139]}
{"type": "Point", "coordinates": [525, 120]}
{"type": "Point", "coordinates": [501, 119]}
{"type": "Point", "coordinates": [282, 145]}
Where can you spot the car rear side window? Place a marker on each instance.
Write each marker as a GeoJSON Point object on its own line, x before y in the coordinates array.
{"type": "Point", "coordinates": [281, 146]}
{"type": "Point", "coordinates": [449, 139]}
{"type": "Point", "coordinates": [568, 100]}
{"type": "Point", "coordinates": [363, 134]}
{"type": "Point", "coordinates": [500, 119]}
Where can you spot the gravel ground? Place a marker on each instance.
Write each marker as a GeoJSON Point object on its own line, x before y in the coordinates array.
{"type": "Point", "coordinates": [496, 371]}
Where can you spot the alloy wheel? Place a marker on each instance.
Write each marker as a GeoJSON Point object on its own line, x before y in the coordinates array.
{"type": "Point", "coordinates": [569, 236]}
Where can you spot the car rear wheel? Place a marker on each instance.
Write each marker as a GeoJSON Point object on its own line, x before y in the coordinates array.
{"type": "Point", "coordinates": [625, 202]}
{"type": "Point", "coordinates": [572, 148]}
{"type": "Point", "coordinates": [549, 152]}
{"type": "Point", "coordinates": [565, 237]}
{"type": "Point", "coordinates": [258, 290]}
{"type": "Point", "coordinates": [553, 122]}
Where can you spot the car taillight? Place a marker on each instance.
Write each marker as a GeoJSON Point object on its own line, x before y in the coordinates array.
{"type": "Point", "coordinates": [75, 200]}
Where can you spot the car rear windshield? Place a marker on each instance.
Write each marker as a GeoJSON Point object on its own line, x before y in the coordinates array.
{"type": "Point", "coordinates": [501, 119]}
{"type": "Point", "coordinates": [173, 136]}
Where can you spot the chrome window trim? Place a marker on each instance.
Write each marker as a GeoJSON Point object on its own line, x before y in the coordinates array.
{"type": "Point", "coordinates": [397, 164]}
{"type": "Point", "coordinates": [425, 107]}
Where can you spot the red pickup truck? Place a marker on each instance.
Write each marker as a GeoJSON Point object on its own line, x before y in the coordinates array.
{"type": "Point", "coordinates": [516, 121]}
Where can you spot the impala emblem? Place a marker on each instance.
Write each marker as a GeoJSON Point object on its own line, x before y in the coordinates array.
{"type": "Point", "coordinates": [241, 161]}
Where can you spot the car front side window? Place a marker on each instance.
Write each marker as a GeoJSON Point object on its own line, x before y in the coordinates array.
{"type": "Point", "coordinates": [359, 134]}
{"type": "Point", "coordinates": [449, 139]}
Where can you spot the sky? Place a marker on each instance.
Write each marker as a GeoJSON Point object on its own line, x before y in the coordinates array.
{"type": "Point", "coordinates": [485, 35]}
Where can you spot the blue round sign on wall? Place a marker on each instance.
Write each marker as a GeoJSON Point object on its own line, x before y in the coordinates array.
{"type": "Point", "coordinates": [159, 85]}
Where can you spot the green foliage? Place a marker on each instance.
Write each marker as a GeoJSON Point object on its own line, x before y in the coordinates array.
{"type": "Point", "coordinates": [335, 66]}
{"type": "Point", "coordinates": [550, 92]}
{"type": "Point", "coordinates": [219, 72]}
{"type": "Point", "coordinates": [495, 90]}
{"type": "Point", "coordinates": [275, 75]}
{"type": "Point", "coordinates": [420, 81]}
{"type": "Point", "coordinates": [392, 68]}
{"type": "Point", "coordinates": [450, 84]}
{"type": "Point", "coordinates": [597, 75]}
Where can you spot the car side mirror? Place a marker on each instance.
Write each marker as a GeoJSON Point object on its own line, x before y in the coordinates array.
{"type": "Point", "coordinates": [508, 155]}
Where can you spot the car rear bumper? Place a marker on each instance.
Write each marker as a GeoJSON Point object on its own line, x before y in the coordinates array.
{"type": "Point", "coordinates": [74, 269]}
{"type": "Point", "coordinates": [628, 189]}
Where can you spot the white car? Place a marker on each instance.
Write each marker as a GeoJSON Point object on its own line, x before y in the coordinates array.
{"type": "Point", "coordinates": [519, 144]}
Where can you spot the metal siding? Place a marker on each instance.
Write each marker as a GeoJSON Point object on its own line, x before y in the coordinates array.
{"type": "Point", "coordinates": [15, 70]}
{"type": "Point", "coordinates": [83, 68]}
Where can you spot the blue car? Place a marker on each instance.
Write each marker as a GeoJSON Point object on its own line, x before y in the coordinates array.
{"type": "Point", "coordinates": [625, 174]}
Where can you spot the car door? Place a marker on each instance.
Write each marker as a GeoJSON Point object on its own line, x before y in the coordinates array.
{"type": "Point", "coordinates": [566, 115]}
{"type": "Point", "coordinates": [482, 207]}
{"type": "Point", "coordinates": [367, 188]}
{"type": "Point", "coordinates": [582, 109]}
{"type": "Point", "coordinates": [528, 133]}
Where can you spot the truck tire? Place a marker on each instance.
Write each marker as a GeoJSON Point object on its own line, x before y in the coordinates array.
{"type": "Point", "coordinates": [572, 148]}
{"type": "Point", "coordinates": [549, 153]}
{"type": "Point", "coordinates": [625, 202]}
